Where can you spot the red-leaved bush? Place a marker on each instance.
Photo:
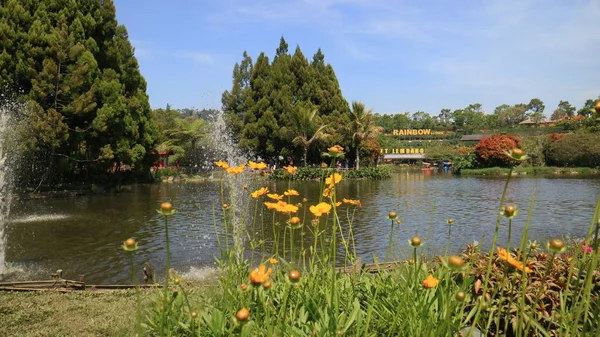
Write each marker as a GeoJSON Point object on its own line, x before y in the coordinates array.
{"type": "Point", "coordinates": [490, 150]}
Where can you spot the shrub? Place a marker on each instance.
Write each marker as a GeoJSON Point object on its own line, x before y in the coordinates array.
{"type": "Point", "coordinates": [574, 149]}
{"type": "Point", "coordinates": [490, 150]}
{"type": "Point", "coordinates": [316, 173]}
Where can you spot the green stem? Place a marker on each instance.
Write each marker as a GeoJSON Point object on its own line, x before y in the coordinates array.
{"type": "Point", "coordinates": [165, 312]}
{"type": "Point", "coordinates": [389, 248]}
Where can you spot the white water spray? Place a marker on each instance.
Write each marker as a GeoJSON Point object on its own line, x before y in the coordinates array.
{"type": "Point", "coordinates": [5, 181]}
{"type": "Point", "coordinates": [224, 147]}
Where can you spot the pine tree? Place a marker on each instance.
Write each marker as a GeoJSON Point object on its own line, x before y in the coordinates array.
{"type": "Point", "coordinates": [76, 66]}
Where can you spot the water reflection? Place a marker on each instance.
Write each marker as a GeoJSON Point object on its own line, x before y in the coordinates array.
{"type": "Point", "coordinates": [83, 235]}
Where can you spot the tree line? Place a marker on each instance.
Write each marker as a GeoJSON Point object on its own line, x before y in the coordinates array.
{"type": "Point", "coordinates": [473, 119]}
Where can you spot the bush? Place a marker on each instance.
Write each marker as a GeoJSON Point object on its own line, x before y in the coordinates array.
{"type": "Point", "coordinates": [574, 149]}
{"type": "Point", "coordinates": [490, 150]}
{"type": "Point", "coordinates": [316, 173]}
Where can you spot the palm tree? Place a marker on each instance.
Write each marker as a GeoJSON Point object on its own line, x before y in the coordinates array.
{"type": "Point", "coordinates": [306, 127]}
{"type": "Point", "coordinates": [363, 126]}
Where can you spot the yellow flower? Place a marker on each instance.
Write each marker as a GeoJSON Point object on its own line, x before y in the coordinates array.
{"type": "Point", "coordinates": [290, 169]}
{"type": "Point", "coordinates": [333, 179]}
{"type": "Point", "coordinates": [337, 204]}
{"type": "Point", "coordinates": [260, 192]}
{"type": "Point", "coordinates": [328, 191]}
{"type": "Point", "coordinates": [236, 170]}
{"type": "Point", "coordinates": [291, 193]}
{"type": "Point", "coordinates": [352, 202]}
{"type": "Point", "coordinates": [273, 261]}
{"type": "Point", "coordinates": [256, 166]}
{"type": "Point", "coordinates": [260, 274]}
{"type": "Point", "coordinates": [271, 205]}
{"type": "Point", "coordinates": [222, 164]}
{"type": "Point", "coordinates": [275, 196]}
{"type": "Point", "coordinates": [284, 207]}
{"type": "Point", "coordinates": [430, 282]}
{"type": "Point", "coordinates": [335, 149]}
{"type": "Point", "coordinates": [320, 208]}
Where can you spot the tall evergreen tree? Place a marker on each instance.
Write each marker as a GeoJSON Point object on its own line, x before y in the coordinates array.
{"type": "Point", "coordinates": [76, 66]}
{"type": "Point", "coordinates": [264, 108]}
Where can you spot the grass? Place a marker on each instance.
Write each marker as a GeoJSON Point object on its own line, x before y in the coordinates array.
{"type": "Point", "coordinates": [72, 314]}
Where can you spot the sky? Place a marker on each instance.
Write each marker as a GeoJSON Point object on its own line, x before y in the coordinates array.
{"type": "Point", "coordinates": [393, 55]}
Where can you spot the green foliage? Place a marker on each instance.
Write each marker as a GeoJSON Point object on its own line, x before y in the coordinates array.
{"type": "Point", "coordinates": [87, 103]}
{"type": "Point", "coordinates": [269, 104]}
{"type": "Point", "coordinates": [490, 150]}
{"type": "Point", "coordinates": [363, 128]}
{"type": "Point", "coordinates": [564, 110]}
{"type": "Point", "coordinates": [316, 173]}
{"type": "Point", "coordinates": [574, 149]}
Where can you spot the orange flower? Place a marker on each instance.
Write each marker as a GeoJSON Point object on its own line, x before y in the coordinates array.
{"type": "Point", "coordinates": [257, 166]}
{"type": "Point", "coordinates": [320, 208]}
{"type": "Point", "coordinates": [328, 191]}
{"type": "Point", "coordinates": [260, 274]}
{"type": "Point", "coordinates": [335, 149]}
{"type": "Point", "coordinates": [352, 202]}
{"type": "Point", "coordinates": [273, 261]}
{"type": "Point", "coordinates": [222, 164]}
{"type": "Point", "coordinates": [291, 193]}
{"type": "Point", "coordinates": [260, 192]}
{"type": "Point", "coordinates": [290, 169]}
{"type": "Point", "coordinates": [430, 282]}
{"type": "Point", "coordinates": [506, 256]}
{"type": "Point", "coordinates": [337, 204]}
{"type": "Point", "coordinates": [275, 196]}
{"type": "Point", "coordinates": [324, 165]}
{"type": "Point", "coordinates": [333, 179]}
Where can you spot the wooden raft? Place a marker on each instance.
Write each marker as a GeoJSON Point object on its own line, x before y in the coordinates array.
{"type": "Point", "coordinates": [65, 286]}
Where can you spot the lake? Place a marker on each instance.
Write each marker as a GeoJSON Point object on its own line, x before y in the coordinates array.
{"type": "Point", "coordinates": [83, 235]}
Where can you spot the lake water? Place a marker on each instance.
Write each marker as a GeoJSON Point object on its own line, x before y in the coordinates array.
{"type": "Point", "coordinates": [83, 235]}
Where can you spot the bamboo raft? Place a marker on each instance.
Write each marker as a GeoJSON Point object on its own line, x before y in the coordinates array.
{"type": "Point", "coordinates": [66, 286]}
{"type": "Point", "coordinates": [58, 284]}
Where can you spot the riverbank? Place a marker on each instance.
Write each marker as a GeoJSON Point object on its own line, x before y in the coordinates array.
{"type": "Point", "coordinates": [542, 170]}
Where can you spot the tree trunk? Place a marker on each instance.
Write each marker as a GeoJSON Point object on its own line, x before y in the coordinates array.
{"type": "Point", "coordinates": [305, 155]}
{"type": "Point", "coordinates": [357, 155]}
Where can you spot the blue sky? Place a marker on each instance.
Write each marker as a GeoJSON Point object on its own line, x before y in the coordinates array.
{"type": "Point", "coordinates": [394, 56]}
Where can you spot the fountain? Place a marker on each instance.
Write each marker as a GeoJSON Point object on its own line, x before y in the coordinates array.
{"type": "Point", "coordinates": [5, 179]}
{"type": "Point", "coordinates": [222, 146]}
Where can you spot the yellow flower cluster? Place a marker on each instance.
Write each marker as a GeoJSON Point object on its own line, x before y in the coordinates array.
{"type": "Point", "coordinates": [257, 166]}
{"type": "Point", "coordinates": [281, 207]}
{"type": "Point", "coordinates": [231, 170]}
